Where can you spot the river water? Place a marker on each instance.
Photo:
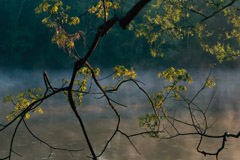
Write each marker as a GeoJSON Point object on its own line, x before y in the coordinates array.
{"type": "Point", "coordinates": [60, 128]}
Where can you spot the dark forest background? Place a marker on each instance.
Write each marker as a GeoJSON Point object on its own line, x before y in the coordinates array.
{"type": "Point", "coordinates": [26, 44]}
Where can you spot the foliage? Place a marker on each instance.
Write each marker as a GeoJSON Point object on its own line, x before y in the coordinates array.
{"type": "Point", "coordinates": [174, 20]}
{"type": "Point", "coordinates": [81, 84]}
{"type": "Point", "coordinates": [122, 73]}
{"type": "Point", "coordinates": [58, 18]}
{"type": "Point", "coordinates": [173, 87]}
{"type": "Point", "coordinates": [24, 35]}
{"type": "Point", "coordinates": [103, 7]}
{"type": "Point", "coordinates": [22, 101]}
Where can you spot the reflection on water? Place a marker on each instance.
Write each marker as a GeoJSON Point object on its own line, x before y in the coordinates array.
{"type": "Point", "coordinates": [60, 128]}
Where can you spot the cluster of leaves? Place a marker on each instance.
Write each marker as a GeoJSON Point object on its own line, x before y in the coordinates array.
{"type": "Point", "coordinates": [81, 84]}
{"type": "Point", "coordinates": [103, 7]}
{"type": "Point", "coordinates": [150, 121]}
{"type": "Point", "coordinates": [174, 77]}
{"type": "Point", "coordinates": [121, 73]}
{"type": "Point", "coordinates": [22, 101]}
{"type": "Point", "coordinates": [58, 19]}
{"type": "Point", "coordinates": [173, 87]}
{"type": "Point", "coordinates": [166, 21]}
{"type": "Point", "coordinates": [226, 46]}
{"type": "Point", "coordinates": [162, 24]}
{"type": "Point", "coordinates": [210, 83]}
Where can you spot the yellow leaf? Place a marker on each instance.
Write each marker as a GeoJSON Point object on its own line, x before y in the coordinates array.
{"type": "Point", "coordinates": [27, 116]}
{"type": "Point", "coordinates": [40, 110]}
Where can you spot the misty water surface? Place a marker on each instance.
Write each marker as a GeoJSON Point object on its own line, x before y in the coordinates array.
{"type": "Point", "coordinates": [60, 128]}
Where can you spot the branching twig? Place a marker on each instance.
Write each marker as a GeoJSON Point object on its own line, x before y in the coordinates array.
{"type": "Point", "coordinates": [47, 144]}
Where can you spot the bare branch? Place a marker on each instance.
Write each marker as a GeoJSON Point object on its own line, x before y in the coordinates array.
{"type": "Point", "coordinates": [47, 144]}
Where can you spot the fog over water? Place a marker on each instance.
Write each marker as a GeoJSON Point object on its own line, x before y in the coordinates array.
{"type": "Point", "coordinates": [59, 127]}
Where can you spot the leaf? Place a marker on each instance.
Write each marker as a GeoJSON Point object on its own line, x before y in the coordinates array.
{"type": "Point", "coordinates": [40, 110]}
{"type": "Point", "coordinates": [27, 116]}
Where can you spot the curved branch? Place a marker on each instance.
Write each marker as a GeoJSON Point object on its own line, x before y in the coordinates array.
{"type": "Point", "coordinates": [216, 12]}
{"type": "Point", "coordinates": [110, 104]}
{"type": "Point", "coordinates": [72, 104]}
{"type": "Point", "coordinates": [50, 146]}
{"type": "Point", "coordinates": [28, 108]}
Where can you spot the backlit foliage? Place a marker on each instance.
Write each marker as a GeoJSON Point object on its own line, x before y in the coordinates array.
{"type": "Point", "coordinates": [103, 7]}
{"type": "Point", "coordinates": [58, 19]}
{"type": "Point", "coordinates": [174, 84]}
{"type": "Point", "coordinates": [210, 83]}
{"type": "Point", "coordinates": [80, 84]}
{"type": "Point", "coordinates": [22, 101]}
{"type": "Point", "coordinates": [121, 74]}
{"type": "Point", "coordinates": [174, 20]}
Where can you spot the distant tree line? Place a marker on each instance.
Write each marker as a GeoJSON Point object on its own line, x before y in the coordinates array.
{"type": "Point", "coordinates": [25, 43]}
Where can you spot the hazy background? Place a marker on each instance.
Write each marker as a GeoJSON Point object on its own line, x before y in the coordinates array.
{"type": "Point", "coordinates": [100, 121]}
